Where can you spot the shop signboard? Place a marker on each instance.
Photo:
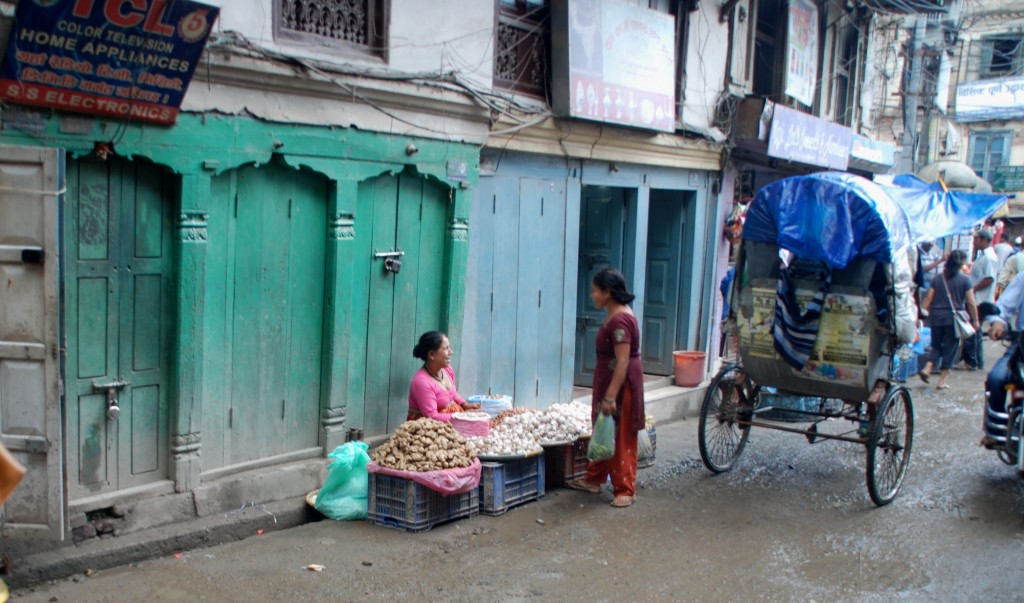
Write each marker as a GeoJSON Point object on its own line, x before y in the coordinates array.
{"type": "Point", "coordinates": [802, 55]}
{"type": "Point", "coordinates": [871, 155]}
{"type": "Point", "coordinates": [1008, 178]}
{"type": "Point", "coordinates": [614, 62]}
{"type": "Point", "coordinates": [114, 58]}
{"type": "Point", "coordinates": [797, 136]}
{"type": "Point", "coordinates": [990, 99]}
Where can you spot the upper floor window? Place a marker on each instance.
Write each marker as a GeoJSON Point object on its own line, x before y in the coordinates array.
{"type": "Point", "coordinates": [844, 78]}
{"type": "Point", "coordinates": [769, 49]}
{"type": "Point", "coordinates": [989, 150]}
{"type": "Point", "coordinates": [1002, 56]}
{"type": "Point", "coordinates": [520, 46]}
{"type": "Point", "coordinates": [358, 26]}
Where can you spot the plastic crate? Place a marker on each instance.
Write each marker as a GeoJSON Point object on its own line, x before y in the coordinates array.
{"type": "Point", "coordinates": [506, 484]}
{"type": "Point", "coordinates": [649, 461]}
{"type": "Point", "coordinates": [565, 462]}
{"type": "Point", "coordinates": [904, 369]}
{"type": "Point", "coordinates": [402, 503]}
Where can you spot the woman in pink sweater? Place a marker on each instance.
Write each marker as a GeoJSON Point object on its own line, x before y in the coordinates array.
{"type": "Point", "coordinates": [432, 393]}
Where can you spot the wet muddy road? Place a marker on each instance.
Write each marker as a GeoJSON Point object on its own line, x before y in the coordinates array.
{"type": "Point", "coordinates": [791, 522]}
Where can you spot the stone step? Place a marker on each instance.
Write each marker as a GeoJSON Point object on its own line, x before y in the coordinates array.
{"type": "Point", "coordinates": [668, 402]}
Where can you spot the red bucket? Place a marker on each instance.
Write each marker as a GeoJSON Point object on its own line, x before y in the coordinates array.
{"type": "Point", "coordinates": [689, 368]}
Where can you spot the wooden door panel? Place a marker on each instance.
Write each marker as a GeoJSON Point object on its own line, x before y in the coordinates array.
{"type": "Point", "coordinates": [475, 370]}
{"type": "Point", "coordinates": [601, 246]}
{"type": "Point", "coordinates": [93, 289]}
{"type": "Point", "coordinates": [531, 264]}
{"type": "Point", "coordinates": [506, 289]}
{"type": "Point", "coordinates": [118, 323]}
{"type": "Point", "coordinates": [661, 300]}
{"type": "Point", "coordinates": [267, 313]}
{"type": "Point", "coordinates": [32, 180]}
{"type": "Point", "coordinates": [307, 260]}
{"type": "Point", "coordinates": [549, 328]}
{"type": "Point", "coordinates": [380, 201]}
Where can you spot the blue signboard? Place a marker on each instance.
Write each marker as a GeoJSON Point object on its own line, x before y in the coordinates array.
{"type": "Point", "coordinates": [797, 136]}
{"type": "Point", "coordinates": [129, 59]}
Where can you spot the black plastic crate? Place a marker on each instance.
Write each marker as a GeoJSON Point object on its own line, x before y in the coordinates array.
{"type": "Point", "coordinates": [565, 462]}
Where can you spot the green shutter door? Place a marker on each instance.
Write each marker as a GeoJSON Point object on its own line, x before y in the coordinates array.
{"type": "Point", "coordinates": [119, 274]}
{"type": "Point", "coordinates": [397, 213]}
{"type": "Point", "coordinates": [265, 314]}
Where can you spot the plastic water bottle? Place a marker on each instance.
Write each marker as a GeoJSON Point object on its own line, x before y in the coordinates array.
{"type": "Point", "coordinates": [865, 424]}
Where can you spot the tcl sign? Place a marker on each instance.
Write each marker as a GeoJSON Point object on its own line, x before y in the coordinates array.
{"type": "Point", "coordinates": [126, 59]}
{"type": "Point", "coordinates": [129, 13]}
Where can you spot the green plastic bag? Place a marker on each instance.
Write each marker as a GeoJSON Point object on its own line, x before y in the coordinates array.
{"type": "Point", "coordinates": [602, 443]}
{"type": "Point", "coordinates": [346, 490]}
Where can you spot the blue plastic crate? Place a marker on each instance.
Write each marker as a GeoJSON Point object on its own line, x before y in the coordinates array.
{"type": "Point", "coordinates": [904, 369]}
{"type": "Point", "coordinates": [402, 503]}
{"type": "Point", "coordinates": [506, 484]}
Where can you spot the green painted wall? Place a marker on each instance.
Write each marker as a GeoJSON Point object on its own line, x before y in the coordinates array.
{"type": "Point", "coordinates": [320, 174]}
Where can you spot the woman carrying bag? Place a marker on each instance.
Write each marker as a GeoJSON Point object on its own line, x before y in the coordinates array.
{"type": "Point", "coordinates": [949, 301]}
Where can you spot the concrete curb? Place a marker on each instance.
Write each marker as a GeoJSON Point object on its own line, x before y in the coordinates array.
{"type": "Point", "coordinates": [98, 554]}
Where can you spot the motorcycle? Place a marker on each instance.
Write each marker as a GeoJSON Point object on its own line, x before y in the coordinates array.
{"type": "Point", "coordinates": [1005, 431]}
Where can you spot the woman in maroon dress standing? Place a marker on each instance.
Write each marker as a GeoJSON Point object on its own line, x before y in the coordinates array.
{"type": "Point", "coordinates": [618, 387]}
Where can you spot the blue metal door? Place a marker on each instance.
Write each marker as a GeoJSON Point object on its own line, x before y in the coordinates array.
{"type": "Point", "coordinates": [661, 302]}
{"type": "Point", "coordinates": [602, 232]}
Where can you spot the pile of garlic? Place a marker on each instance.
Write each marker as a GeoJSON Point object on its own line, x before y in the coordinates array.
{"type": "Point", "coordinates": [516, 435]}
{"type": "Point", "coordinates": [523, 431]}
{"type": "Point", "coordinates": [564, 422]}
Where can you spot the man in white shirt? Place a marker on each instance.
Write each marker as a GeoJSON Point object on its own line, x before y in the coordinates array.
{"type": "Point", "coordinates": [983, 272]}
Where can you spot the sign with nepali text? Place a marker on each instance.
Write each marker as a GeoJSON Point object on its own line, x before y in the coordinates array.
{"type": "Point", "coordinates": [126, 59]}
{"type": "Point", "coordinates": [1008, 178]}
{"type": "Point", "coordinates": [990, 99]}
{"type": "Point", "coordinates": [797, 136]}
{"type": "Point", "coordinates": [615, 62]}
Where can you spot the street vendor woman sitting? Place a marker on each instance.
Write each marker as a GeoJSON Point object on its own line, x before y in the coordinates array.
{"type": "Point", "coordinates": [432, 393]}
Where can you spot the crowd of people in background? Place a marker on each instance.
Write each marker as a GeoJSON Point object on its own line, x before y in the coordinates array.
{"type": "Point", "coordinates": [990, 267]}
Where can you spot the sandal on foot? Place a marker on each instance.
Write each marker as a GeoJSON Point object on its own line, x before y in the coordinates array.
{"type": "Point", "coordinates": [583, 486]}
{"type": "Point", "coordinates": [943, 386]}
{"type": "Point", "coordinates": [924, 376]}
{"type": "Point", "coordinates": [623, 501]}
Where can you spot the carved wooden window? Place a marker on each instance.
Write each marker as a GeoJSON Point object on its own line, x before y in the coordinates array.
{"type": "Point", "coordinates": [351, 25]}
{"type": "Point", "coordinates": [521, 46]}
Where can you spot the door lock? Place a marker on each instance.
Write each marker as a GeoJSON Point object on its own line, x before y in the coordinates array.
{"type": "Point", "coordinates": [392, 260]}
{"type": "Point", "coordinates": [113, 406]}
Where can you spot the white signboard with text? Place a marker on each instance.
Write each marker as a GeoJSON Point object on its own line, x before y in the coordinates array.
{"type": "Point", "coordinates": [621, 64]}
{"type": "Point", "coordinates": [802, 51]}
{"type": "Point", "coordinates": [990, 99]}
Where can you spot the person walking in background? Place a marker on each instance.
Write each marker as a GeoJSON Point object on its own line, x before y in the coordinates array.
{"type": "Point", "coordinates": [1013, 266]}
{"type": "Point", "coordinates": [952, 285]}
{"type": "Point", "coordinates": [984, 271]}
{"type": "Point", "coordinates": [618, 387]}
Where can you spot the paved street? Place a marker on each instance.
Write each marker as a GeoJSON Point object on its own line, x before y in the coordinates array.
{"type": "Point", "coordinates": [792, 522]}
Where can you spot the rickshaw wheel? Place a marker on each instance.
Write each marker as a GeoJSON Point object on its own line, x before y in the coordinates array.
{"type": "Point", "coordinates": [889, 446]}
{"type": "Point", "coordinates": [720, 438]}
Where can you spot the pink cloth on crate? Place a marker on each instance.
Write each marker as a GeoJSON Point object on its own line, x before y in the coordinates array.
{"type": "Point", "coordinates": [428, 397]}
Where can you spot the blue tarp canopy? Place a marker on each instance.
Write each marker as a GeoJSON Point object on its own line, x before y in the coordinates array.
{"type": "Point", "coordinates": [835, 217]}
{"type": "Point", "coordinates": [934, 213]}
{"type": "Point", "coordinates": [831, 217]}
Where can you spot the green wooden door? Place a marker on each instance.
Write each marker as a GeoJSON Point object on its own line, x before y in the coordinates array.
{"type": "Point", "coordinates": [264, 314]}
{"type": "Point", "coordinates": [397, 213]}
{"type": "Point", "coordinates": [119, 310]}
